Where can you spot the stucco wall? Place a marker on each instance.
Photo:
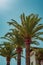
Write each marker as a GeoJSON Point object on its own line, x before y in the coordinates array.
{"type": "Point", "coordinates": [32, 58]}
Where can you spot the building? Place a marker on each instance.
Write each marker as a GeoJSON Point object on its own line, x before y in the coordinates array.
{"type": "Point", "coordinates": [36, 56]}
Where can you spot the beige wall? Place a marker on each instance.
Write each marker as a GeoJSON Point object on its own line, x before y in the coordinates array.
{"type": "Point", "coordinates": [32, 58]}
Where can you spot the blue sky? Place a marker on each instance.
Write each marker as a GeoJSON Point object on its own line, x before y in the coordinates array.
{"type": "Point", "coordinates": [12, 9]}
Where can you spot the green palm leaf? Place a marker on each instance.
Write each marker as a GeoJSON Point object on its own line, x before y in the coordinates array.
{"type": "Point", "coordinates": [37, 28]}
{"type": "Point", "coordinates": [40, 38]}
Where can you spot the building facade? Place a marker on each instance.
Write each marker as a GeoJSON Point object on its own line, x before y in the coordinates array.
{"type": "Point", "coordinates": [33, 59]}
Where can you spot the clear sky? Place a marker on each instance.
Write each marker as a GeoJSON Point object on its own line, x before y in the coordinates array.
{"type": "Point", "coordinates": [12, 9]}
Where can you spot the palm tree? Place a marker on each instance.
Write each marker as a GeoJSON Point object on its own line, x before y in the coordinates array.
{"type": "Point", "coordinates": [17, 41]}
{"type": "Point", "coordinates": [19, 45]}
{"type": "Point", "coordinates": [29, 29]}
{"type": "Point", "coordinates": [7, 50]}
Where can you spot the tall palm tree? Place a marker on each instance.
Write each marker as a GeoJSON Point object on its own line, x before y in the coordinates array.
{"type": "Point", "coordinates": [17, 41]}
{"type": "Point", "coordinates": [19, 45]}
{"type": "Point", "coordinates": [29, 29]}
{"type": "Point", "coordinates": [7, 50]}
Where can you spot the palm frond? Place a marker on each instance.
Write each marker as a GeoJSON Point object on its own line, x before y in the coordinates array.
{"type": "Point", "coordinates": [37, 34]}
{"type": "Point", "coordinates": [39, 27]}
{"type": "Point", "coordinates": [34, 21]}
{"type": "Point", "coordinates": [5, 38]}
{"type": "Point", "coordinates": [35, 42]}
{"type": "Point", "coordinates": [39, 38]}
{"type": "Point", "coordinates": [22, 17]}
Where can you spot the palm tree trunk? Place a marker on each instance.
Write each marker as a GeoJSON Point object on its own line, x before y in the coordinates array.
{"type": "Point", "coordinates": [8, 60]}
{"type": "Point", "coordinates": [19, 59]}
{"type": "Point", "coordinates": [19, 56]}
{"type": "Point", "coordinates": [27, 54]}
{"type": "Point", "coordinates": [27, 45]}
